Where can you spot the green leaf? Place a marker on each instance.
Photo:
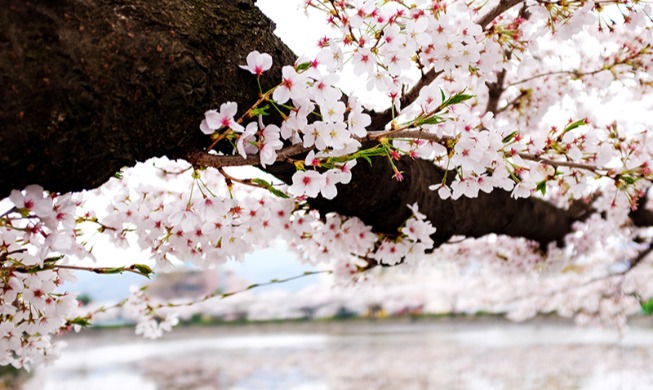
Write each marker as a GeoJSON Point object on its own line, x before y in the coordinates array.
{"type": "Point", "coordinates": [541, 186]}
{"type": "Point", "coordinates": [303, 66]}
{"type": "Point", "coordinates": [647, 306]}
{"type": "Point", "coordinates": [270, 187]}
{"type": "Point", "coordinates": [442, 95]}
{"type": "Point", "coordinates": [574, 125]}
{"type": "Point", "coordinates": [629, 179]}
{"type": "Point", "coordinates": [457, 98]}
{"type": "Point", "coordinates": [434, 120]}
{"type": "Point", "coordinates": [143, 270]}
{"type": "Point", "coordinates": [509, 137]}
{"type": "Point", "coordinates": [260, 111]}
{"type": "Point", "coordinates": [82, 321]}
{"type": "Point", "coordinates": [53, 259]}
{"type": "Point", "coordinates": [278, 193]}
{"type": "Point", "coordinates": [373, 152]}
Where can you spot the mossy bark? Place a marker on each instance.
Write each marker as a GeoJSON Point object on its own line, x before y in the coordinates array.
{"type": "Point", "coordinates": [91, 86]}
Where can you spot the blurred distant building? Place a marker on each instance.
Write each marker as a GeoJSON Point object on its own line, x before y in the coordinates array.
{"type": "Point", "coordinates": [185, 283]}
{"type": "Point", "coordinates": [190, 283]}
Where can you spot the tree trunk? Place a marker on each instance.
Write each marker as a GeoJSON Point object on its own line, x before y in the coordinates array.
{"type": "Point", "coordinates": [91, 86]}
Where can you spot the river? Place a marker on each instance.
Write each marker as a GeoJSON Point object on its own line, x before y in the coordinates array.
{"type": "Point", "coordinates": [443, 354]}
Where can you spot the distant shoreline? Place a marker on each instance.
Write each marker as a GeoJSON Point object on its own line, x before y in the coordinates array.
{"type": "Point", "coordinates": [350, 326]}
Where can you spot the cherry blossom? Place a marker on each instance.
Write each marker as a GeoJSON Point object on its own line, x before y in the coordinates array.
{"type": "Point", "coordinates": [308, 183]}
{"type": "Point", "coordinates": [508, 104]}
{"type": "Point", "coordinates": [258, 63]}
{"type": "Point", "coordinates": [293, 86]}
{"type": "Point", "coordinates": [215, 120]}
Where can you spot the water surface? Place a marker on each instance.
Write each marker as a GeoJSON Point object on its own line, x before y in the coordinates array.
{"type": "Point", "coordinates": [358, 355]}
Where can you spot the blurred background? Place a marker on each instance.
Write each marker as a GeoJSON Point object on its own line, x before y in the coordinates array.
{"type": "Point", "coordinates": [402, 330]}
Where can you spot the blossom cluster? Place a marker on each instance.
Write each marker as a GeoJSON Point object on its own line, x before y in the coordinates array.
{"type": "Point", "coordinates": [384, 43]}
{"type": "Point", "coordinates": [37, 232]}
{"type": "Point", "coordinates": [412, 245]}
{"type": "Point", "coordinates": [150, 323]}
{"type": "Point", "coordinates": [199, 223]}
{"type": "Point", "coordinates": [205, 222]}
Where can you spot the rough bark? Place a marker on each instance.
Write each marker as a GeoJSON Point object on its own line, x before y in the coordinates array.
{"type": "Point", "coordinates": [91, 86]}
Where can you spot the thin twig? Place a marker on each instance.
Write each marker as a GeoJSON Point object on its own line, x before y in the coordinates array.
{"type": "Point", "coordinates": [419, 134]}
{"type": "Point", "coordinates": [97, 270]}
{"type": "Point", "coordinates": [219, 295]}
{"type": "Point", "coordinates": [229, 178]}
{"type": "Point", "coordinates": [414, 134]}
{"type": "Point", "coordinates": [206, 159]}
{"type": "Point", "coordinates": [555, 163]}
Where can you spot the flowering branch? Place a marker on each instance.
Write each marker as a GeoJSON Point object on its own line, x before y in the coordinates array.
{"type": "Point", "coordinates": [219, 295]}
{"type": "Point", "coordinates": [205, 159]}
{"type": "Point", "coordinates": [140, 269]}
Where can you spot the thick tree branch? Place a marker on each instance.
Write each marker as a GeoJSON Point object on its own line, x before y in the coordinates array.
{"type": "Point", "coordinates": [641, 216]}
{"type": "Point", "coordinates": [503, 6]}
{"type": "Point", "coordinates": [205, 159]}
{"type": "Point", "coordinates": [495, 90]}
{"type": "Point", "coordinates": [93, 86]}
{"type": "Point", "coordinates": [380, 201]}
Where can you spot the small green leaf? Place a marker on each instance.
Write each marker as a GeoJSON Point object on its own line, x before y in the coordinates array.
{"type": "Point", "coordinates": [442, 95]}
{"type": "Point", "coordinates": [53, 259]}
{"type": "Point", "coordinates": [303, 66]}
{"type": "Point", "coordinates": [143, 270]}
{"type": "Point", "coordinates": [647, 306]}
{"type": "Point", "coordinates": [629, 179]}
{"type": "Point", "coordinates": [541, 186]}
{"type": "Point", "coordinates": [270, 187]}
{"type": "Point", "coordinates": [434, 120]}
{"type": "Point", "coordinates": [574, 125]}
{"type": "Point", "coordinates": [373, 152]}
{"type": "Point", "coordinates": [457, 98]}
{"type": "Point", "coordinates": [260, 111]}
{"type": "Point", "coordinates": [509, 137]}
{"type": "Point", "coordinates": [81, 321]}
